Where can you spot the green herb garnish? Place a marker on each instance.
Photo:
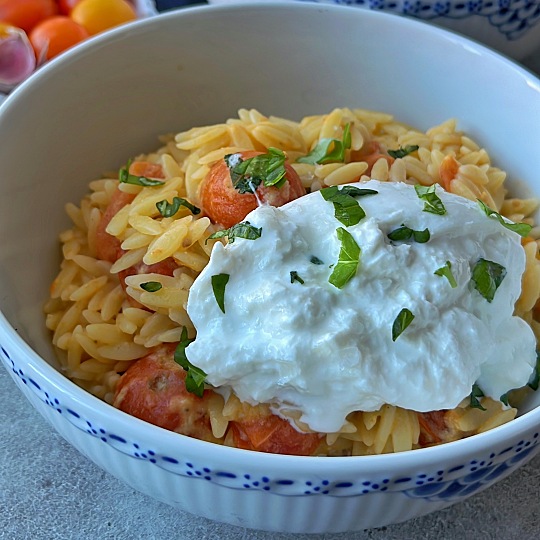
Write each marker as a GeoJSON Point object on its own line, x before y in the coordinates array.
{"type": "Point", "coordinates": [219, 282]}
{"type": "Point", "coordinates": [534, 381]}
{"type": "Point", "coordinates": [476, 394]}
{"type": "Point", "coordinates": [523, 229]}
{"type": "Point", "coordinates": [405, 233]}
{"type": "Point", "coordinates": [403, 151]}
{"type": "Point", "coordinates": [167, 209]}
{"type": "Point", "coordinates": [432, 202]}
{"type": "Point", "coordinates": [446, 271]}
{"type": "Point", "coordinates": [401, 322]}
{"type": "Point", "coordinates": [315, 260]}
{"type": "Point", "coordinates": [486, 277]}
{"type": "Point", "coordinates": [504, 399]}
{"type": "Point", "coordinates": [296, 277]}
{"type": "Point", "coordinates": [329, 150]}
{"type": "Point", "coordinates": [346, 207]}
{"type": "Point", "coordinates": [348, 259]}
{"type": "Point", "coordinates": [195, 376]}
{"type": "Point", "coordinates": [151, 286]}
{"type": "Point", "coordinates": [248, 174]}
{"type": "Point", "coordinates": [126, 178]}
{"type": "Point", "coordinates": [240, 230]}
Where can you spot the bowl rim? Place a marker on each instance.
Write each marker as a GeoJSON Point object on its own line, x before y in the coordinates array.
{"type": "Point", "coordinates": [69, 391]}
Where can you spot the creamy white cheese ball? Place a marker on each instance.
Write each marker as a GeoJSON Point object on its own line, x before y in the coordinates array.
{"type": "Point", "coordinates": [307, 345]}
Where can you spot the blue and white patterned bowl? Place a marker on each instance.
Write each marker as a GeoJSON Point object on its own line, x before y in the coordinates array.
{"type": "Point", "coordinates": [509, 26]}
{"type": "Point", "coordinates": [109, 99]}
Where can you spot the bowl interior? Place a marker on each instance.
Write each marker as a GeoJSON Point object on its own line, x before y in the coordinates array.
{"type": "Point", "coordinates": [110, 98]}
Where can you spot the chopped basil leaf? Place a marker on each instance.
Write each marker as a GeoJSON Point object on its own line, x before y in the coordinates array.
{"type": "Point", "coordinates": [329, 150]}
{"type": "Point", "coordinates": [523, 229]}
{"type": "Point", "coordinates": [248, 174]}
{"type": "Point", "coordinates": [195, 376]}
{"type": "Point", "coordinates": [126, 178]}
{"type": "Point", "coordinates": [167, 209]}
{"type": "Point", "coordinates": [446, 271]}
{"type": "Point", "coordinates": [240, 230]}
{"type": "Point", "coordinates": [219, 282]}
{"type": "Point", "coordinates": [296, 277]}
{"type": "Point", "coordinates": [151, 286]}
{"type": "Point", "coordinates": [534, 381]}
{"type": "Point", "coordinates": [315, 260]}
{"type": "Point", "coordinates": [405, 233]}
{"type": "Point", "coordinates": [476, 394]}
{"type": "Point", "coordinates": [432, 202]}
{"type": "Point", "coordinates": [348, 259]}
{"type": "Point", "coordinates": [346, 207]}
{"type": "Point", "coordinates": [403, 151]}
{"type": "Point", "coordinates": [486, 277]}
{"type": "Point", "coordinates": [404, 318]}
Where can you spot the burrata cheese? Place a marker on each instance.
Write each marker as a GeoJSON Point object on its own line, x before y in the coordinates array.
{"type": "Point", "coordinates": [291, 338]}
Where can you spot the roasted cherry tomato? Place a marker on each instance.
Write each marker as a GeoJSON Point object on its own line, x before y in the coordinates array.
{"type": "Point", "coordinates": [225, 205]}
{"type": "Point", "coordinates": [66, 6]}
{"type": "Point", "coordinates": [56, 34]}
{"type": "Point", "coordinates": [99, 15]}
{"type": "Point", "coordinates": [26, 14]}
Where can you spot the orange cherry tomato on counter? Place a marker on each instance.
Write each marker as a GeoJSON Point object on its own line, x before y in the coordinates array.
{"type": "Point", "coordinates": [56, 34]}
{"type": "Point", "coordinates": [99, 15]}
{"type": "Point", "coordinates": [66, 6]}
{"type": "Point", "coordinates": [26, 14]}
{"type": "Point", "coordinates": [225, 205]}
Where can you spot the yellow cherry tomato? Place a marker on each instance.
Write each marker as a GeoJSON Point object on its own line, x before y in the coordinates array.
{"type": "Point", "coordinates": [99, 15]}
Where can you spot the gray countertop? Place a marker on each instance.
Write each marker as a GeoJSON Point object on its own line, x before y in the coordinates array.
{"type": "Point", "coordinates": [50, 491]}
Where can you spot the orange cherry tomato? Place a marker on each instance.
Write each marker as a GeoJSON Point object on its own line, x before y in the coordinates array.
{"type": "Point", "coordinates": [99, 15]}
{"type": "Point", "coordinates": [66, 6]}
{"type": "Point", "coordinates": [225, 205]}
{"type": "Point", "coordinates": [26, 14]}
{"type": "Point", "coordinates": [56, 34]}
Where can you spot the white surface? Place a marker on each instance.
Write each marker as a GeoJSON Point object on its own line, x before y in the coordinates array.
{"type": "Point", "coordinates": [50, 491]}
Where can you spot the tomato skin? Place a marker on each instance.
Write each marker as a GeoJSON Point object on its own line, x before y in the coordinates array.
{"type": "Point", "coordinates": [225, 205]}
{"type": "Point", "coordinates": [54, 35]}
{"type": "Point", "coordinates": [99, 15]}
{"type": "Point", "coordinates": [66, 6]}
{"type": "Point", "coordinates": [26, 14]}
{"type": "Point", "coordinates": [274, 435]}
{"type": "Point", "coordinates": [153, 389]}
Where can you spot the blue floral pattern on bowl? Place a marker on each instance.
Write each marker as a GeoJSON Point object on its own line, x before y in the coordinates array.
{"type": "Point", "coordinates": [443, 485]}
{"type": "Point", "coordinates": [511, 18]}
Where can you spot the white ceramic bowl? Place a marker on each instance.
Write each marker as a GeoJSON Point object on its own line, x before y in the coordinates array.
{"type": "Point", "coordinates": [509, 26]}
{"type": "Point", "coordinates": [90, 110]}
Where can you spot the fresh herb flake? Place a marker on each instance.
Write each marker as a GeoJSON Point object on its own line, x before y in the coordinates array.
{"type": "Point", "coordinates": [348, 259]}
{"type": "Point", "coordinates": [315, 260]}
{"type": "Point", "coordinates": [534, 381]}
{"type": "Point", "coordinates": [167, 209]}
{"type": "Point", "coordinates": [504, 399]}
{"type": "Point", "coordinates": [151, 286]}
{"type": "Point", "coordinates": [219, 282]}
{"type": "Point", "coordinates": [403, 151]}
{"type": "Point", "coordinates": [405, 233]}
{"type": "Point", "coordinates": [248, 174]}
{"type": "Point", "coordinates": [476, 394]}
{"type": "Point", "coordinates": [346, 207]}
{"type": "Point", "coordinates": [432, 202]}
{"type": "Point", "coordinates": [401, 322]}
{"type": "Point", "coordinates": [523, 229]}
{"type": "Point", "coordinates": [446, 271]}
{"type": "Point", "coordinates": [240, 230]}
{"type": "Point", "coordinates": [126, 178]}
{"type": "Point", "coordinates": [329, 150]}
{"type": "Point", "coordinates": [195, 377]}
{"type": "Point", "coordinates": [296, 277]}
{"type": "Point", "coordinates": [486, 278]}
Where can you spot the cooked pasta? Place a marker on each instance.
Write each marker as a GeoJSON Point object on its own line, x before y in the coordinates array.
{"type": "Point", "coordinates": [103, 320]}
